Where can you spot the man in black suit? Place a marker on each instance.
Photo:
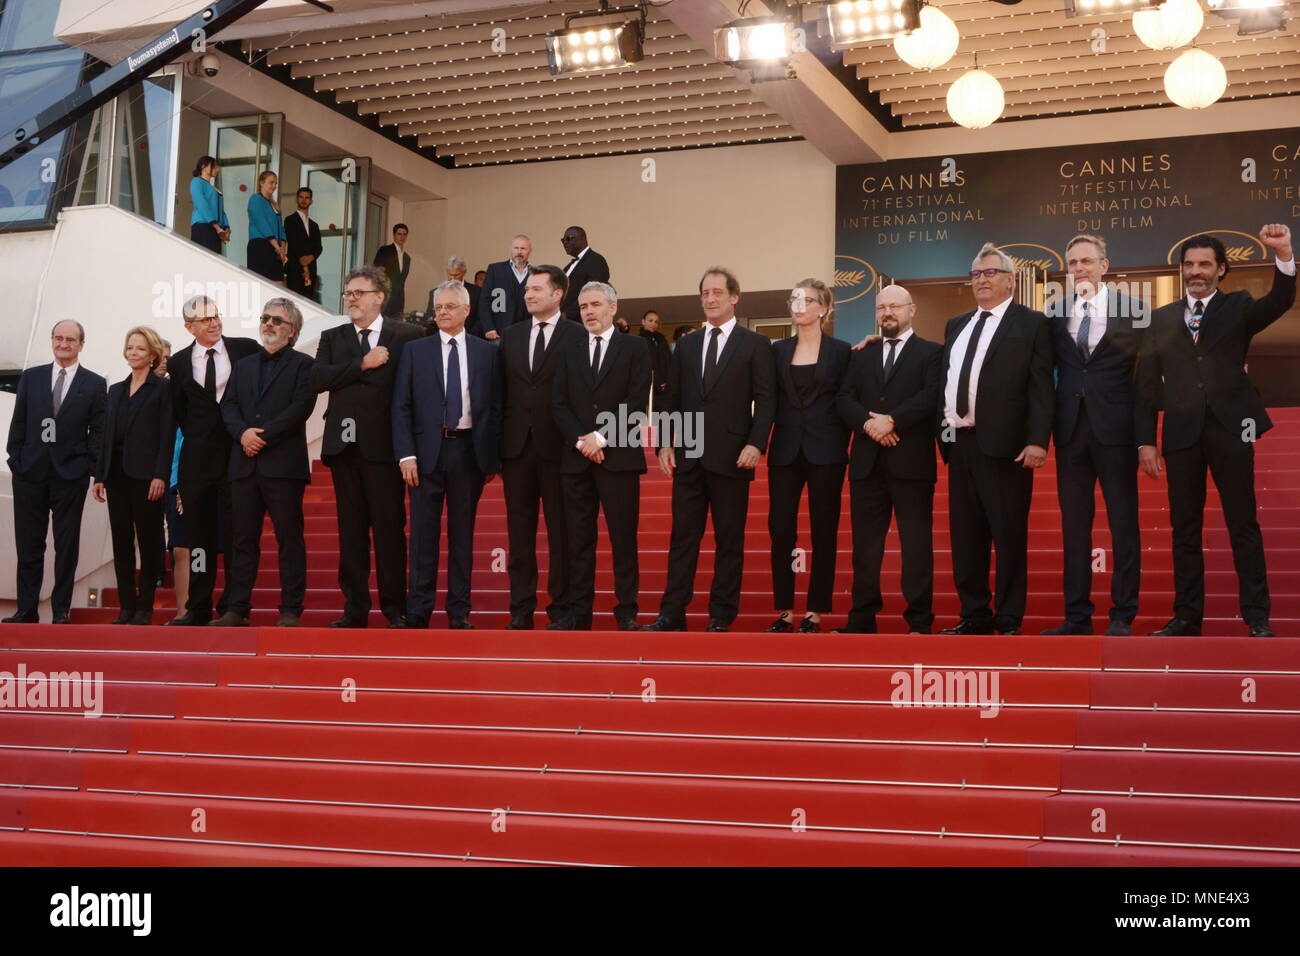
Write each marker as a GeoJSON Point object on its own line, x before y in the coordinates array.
{"type": "Point", "coordinates": [723, 395]}
{"type": "Point", "coordinates": [199, 375]}
{"type": "Point", "coordinates": [602, 386]}
{"type": "Point", "coordinates": [455, 273]}
{"type": "Point", "coordinates": [994, 426]}
{"type": "Point", "coordinates": [446, 436]}
{"type": "Point", "coordinates": [396, 262]}
{"type": "Point", "coordinates": [54, 445]}
{"type": "Point", "coordinates": [265, 409]}
{"type": "Point", "coordinates": [587, 265]}
{"type": "Point", "coordinates": [531, 446]}
{"type": "Point", "coordinates": [1192, 364]}
{"type": "Point", "coordinates": [501, 300]}
{"type": "Point", "coordinates": [1095, 332]}
{"type": "Point", "coordinates": [355, 363]}
{"type": "Point", "coordinates": [303, 236]}
{"type": "Point", "coordinates": [889, 399]}
{"type": "Point", "coordinates": [661, 352]}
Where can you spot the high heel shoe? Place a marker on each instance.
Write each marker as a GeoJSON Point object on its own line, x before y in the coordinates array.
{"type": "Point", "coordinates": [809, 626]}
{"type": "Point", "coordinates": [781, 625]}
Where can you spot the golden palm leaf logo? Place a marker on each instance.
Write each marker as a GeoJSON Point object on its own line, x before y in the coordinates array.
{"type": "Point", "coordinates": [847, 277]}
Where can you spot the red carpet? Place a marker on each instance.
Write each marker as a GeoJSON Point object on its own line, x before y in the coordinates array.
{"type": "Point", "coordinates": [322, 747]}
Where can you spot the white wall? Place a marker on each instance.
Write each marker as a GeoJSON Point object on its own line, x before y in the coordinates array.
{"type": "Point", "coordinates": [23, 256]}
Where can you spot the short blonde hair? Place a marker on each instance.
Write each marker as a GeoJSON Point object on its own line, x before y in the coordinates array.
{"type": "Point", "coordinates": [152, 340]}
{"type": "Point", "coordinates": [824, 295]}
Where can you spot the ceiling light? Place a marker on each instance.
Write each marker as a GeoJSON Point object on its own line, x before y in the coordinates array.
{"type": "Point", "coordinates": [932, 44]}
{"type": "Point", "coordinates": [1252, 16]}
{"type": "Point", "coordinates": [857, 21]}
{"type": "Point", "coordinates": [975, 100]}
{"type": "Point", "coordinates": [760, 45]}
{"type": "Point", "coordinates": [1169, 26]}
{"type": "Point", "coordinates": [587, 47]}
{"type": "Point", "coordinates": [1195, 80]}
{"type": "Point", "coordinates": [1089, 8]}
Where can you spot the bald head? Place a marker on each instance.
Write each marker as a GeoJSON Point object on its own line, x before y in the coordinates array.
{"type": "Point", "coordinates": [894, 311]}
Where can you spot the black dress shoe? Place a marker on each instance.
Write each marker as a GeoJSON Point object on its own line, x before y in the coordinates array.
{"type": "Point", "coordinates": [563, 624]}
{"type": "Point", "coordinates": [231, 619]}
{"type": "Point", "coordinates": [782, 625]}
{"type": "Point", "coordinates": [61, 617]}
{"type": "Point", "coordinates": [22, 617]}
{"type": "Point", "coordinates": [717, 625]}
{"type": "Point", "coordinates": [397, 623]}
{"type": "Point", "coordinates": [460, 624]}
{"type": "Point", "coordinates": [520, 622]}
{"type": "Point", "coordinates": [1261, 629]}
{"type": "Point", "coordinates": [1118, 629]}
{"type": "Point", "coordinates": [189, 619]}
{"type": "Point", "coordinates": [289, 619]}
{"type": "Point", "coordinates": [967, 627]}
{"type": "Point", "coordinates": [1069, 627]}
{"type": "Point", "coordinates": [1178, 628]}
{"type": "Point", "coordinates": [349, 622]}
{"type": "Point", "coordinates": [414, 622]}
{"type": "Point", "coordinates": [629, 624]}
{"type": "Point", "coordinates": [665, 624]}
{"type": "Point", "coordinates": [1010, 630]}
{"type": "Point", "coordinates": [142, 618]}
{"type": "Point", "coordinates": [809, 626]}
{"type": "Point", "coordinates": [123, 618]}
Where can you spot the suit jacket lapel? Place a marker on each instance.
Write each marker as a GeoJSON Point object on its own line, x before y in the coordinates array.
{"type": "Point", "coordinates": [904, 354]}
{"type": "Point", "coordinates": [1214, 323]}
{"type": "Point", "coordinates": [134, 407]}
{"type": "Point", "coordinates": [70, 389]}
{"type": "Point", "coordinates": [276, 366]}
{"type": "Point", "coordinates": [1012, 314]}
{"type": "Point", "coordinates": [875, 371]}
{"type": "Point", "coordinates": [784, 359]}
{"type": "Point", "coordinates": [728, 350]}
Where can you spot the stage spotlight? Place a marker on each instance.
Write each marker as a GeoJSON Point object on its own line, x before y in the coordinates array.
{"type": "Point", "coordinates": [856, 21]}
{"type": "Point", "coordinates": [584, 47]}
{"type": "Point", "coordinates": [1252, 16]}
{"type": "Point", "coordinates": [759, 44]}
{"type": "Point", "coordinates": [1091, 8]}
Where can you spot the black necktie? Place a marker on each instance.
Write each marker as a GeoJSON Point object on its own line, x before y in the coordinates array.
{"type": "Point", "coordinates": [967, 362]}
{"type": "Point", "coordinates": [210, 374]}
{"type": "Point", "coordinates": [1194, 323]}
{"type": "Point", "coordinates": [889, 359]}
{"type": "Point", "coordinates": [711, 358]}
{"type": "Point", "coordinates": [1085, 328]}
{"type": "Point", "coordinates": [452, 402]}
{"type": "Point", "coordinates": [365, 341]}
{"type": "Point", "coordinates": [539, 347]}
{"type": "Point", "coordinates": [595, 358]}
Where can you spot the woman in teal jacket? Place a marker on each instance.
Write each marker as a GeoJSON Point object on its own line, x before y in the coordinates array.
{"type": "Point", "coordinates": [208, 224]}
{"type": "Point", "coordinates": [267, 248]}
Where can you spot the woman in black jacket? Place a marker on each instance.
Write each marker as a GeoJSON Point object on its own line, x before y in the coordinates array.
{"type": "Point", "coordinates": [134, 462]}
{"type": "Point", "coordinates": [809, 446]}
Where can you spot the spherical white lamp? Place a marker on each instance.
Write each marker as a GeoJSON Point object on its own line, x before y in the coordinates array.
{"type": "Point", "coordinates": [1172, 24]}
{"type": "Point", "coordinates": [975, 100]}
{"type": "Point", "coordinates": [1195, 80]}
{"type": "Point", "coordinates": [932, 44]}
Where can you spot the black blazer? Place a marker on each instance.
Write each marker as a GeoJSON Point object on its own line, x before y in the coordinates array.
{"type": "Point", "coordinates": [496, 313]}
{"type": "Point", "coordinates": [661, 355]}
{"type": "Point", "coordinates": [815, 427]}
{"type": "Point", "coordinates": [78, 429]}
{"type": "Point", "coordinates": [910, 396]}
{"type": "Point", "coordinates": [280, 406]}
{"type": "Point", "coordinates": [360, 406]}
{"type": "Point", "coordinates": [528, 395]}
{"type": "Point", "coordinates": [1015, 398]}
{"type": "Point", "coordinates": [398, 268]}
{"type": "Point", "coordinates": [205, 455]}
{"type": "Point", "coordinates": [1106, 382]}
{"type": "Point", "coordinates": [471, 319]}
{"type": "Point", "coordinates": [592, 267]}
{"type": "Point", "coordinates": [1186, 379]}
{"type": "Point", "coordinates": [738, 408]}
{"type": "Point", "coordinates": [150, 431]}
{"type": "Point", "coordinates": [419, 403]}
{"type": "Point", "coordinates": [302, 242]}
{"type": "Point", "coordinates": [616, 398]}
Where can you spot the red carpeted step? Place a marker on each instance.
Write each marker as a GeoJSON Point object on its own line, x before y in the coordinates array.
{"type": "Point", "coordinates": [1269, 693]}
{"type": "Point", "coordinates": [1192, 774]}
{"type": "Point", "coordinates": [1190, 732]}
{"type": "Point", "coordinates": [1231, 824]}
{"type": "Point", "coordinates": [1107, 854]}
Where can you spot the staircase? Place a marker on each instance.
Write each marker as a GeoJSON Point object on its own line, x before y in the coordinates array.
{"type": "Point", "coordinates": [319, 747]}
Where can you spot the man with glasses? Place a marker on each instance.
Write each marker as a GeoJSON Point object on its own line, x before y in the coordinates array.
{"type": "Point", "coordinates": [995, 422]}
{"type": "Point", "coordinates": [355, 363]}
{"type": "Point", "coordinates": [54, 440]}
{"type": "Point", "coordinates": [586, 265]}
{"type": "Point", "coordinates": [199, 374]}
{"type": "Point", "coordinates": [265, 410]}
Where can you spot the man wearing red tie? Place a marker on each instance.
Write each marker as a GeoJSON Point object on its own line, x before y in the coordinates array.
{"type": "Point", "coordinates": [1192, 364]}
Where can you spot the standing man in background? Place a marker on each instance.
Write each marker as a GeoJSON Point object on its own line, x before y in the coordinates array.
{"type": "Point", "coordinates": [501, 300]}
{"type": "Point", "coordinates": [587, 265]}
{"type": "Point", "coordinates": [661, 352]}
{"type": "Point", "coordinates": [303, 236]}
{"type": "Point", "coordinates": [455, 273]}
{"type": "Point", "coordinates": [396, 262]}
{"type": "Point", "coordinates": [54, 445]}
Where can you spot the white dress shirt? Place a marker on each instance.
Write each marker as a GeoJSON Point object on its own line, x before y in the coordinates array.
{"type": "Point", "coordinates": [462, 351]}
{"type": "Point", "coordinates": [958, 356]}
{"type": "Point", "coordinates": [548, 332]}
{"type": "Point", "coordinates": [199, 365]}
{"type": "Point", "coordinates": [71, 371]}
{"type": "Point", "coordinates": [520, 277]}
{"type": "Point", "coordinates": [306, 222]}
{"type": "Point", "coordinates": [374, 328]}
{"type": "Point", "coordinates": [727, 328]}
{"type": "Point", "coordinates": [898, 349]}
{"type": "Point", "coordinates": [576, 259]}
{"type": "Point", "coordinates": [1099, 308]}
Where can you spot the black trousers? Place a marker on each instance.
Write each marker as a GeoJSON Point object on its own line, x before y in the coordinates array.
{"type": "Point", "coordinates": [133, 518]}
{"type": "Point", "coordinates": [696, 494]}
{"type": "Point", "coordinates": [1080, 465]}
{"type": "Point", "coordinates": [254, 498]}
{"type": "Point", "coordinates": [785, 485]}
{"type": "Point", "coordinates": [293, 279]}
{"type": "Point", "coordinates": [370, 500]}
{"type": "Point", "coordinates": [872, 501]}
{"type": "Point", "coordinates": [988, 505]}
{"type": "Point", "coordinates": [1232, 463]}
{"type": "Point", "coordinates": [619, 494]}
{"type": "Point", "coordinates": [208, 525]}
{"type": "Point", "coordinates": [456, 480]}
{"type": "Point", "coordinates": [35, 503]}
{"type": "Point", "coordinates": [529, 480]}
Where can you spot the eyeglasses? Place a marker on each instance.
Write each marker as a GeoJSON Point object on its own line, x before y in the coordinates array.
{"type": "Point", "coordinates": [275, 320]}
{"type": "Point", "coordinates": [357, 293]}
{"type": "Point", "coordinates": [450, 308]}
{"type": "Point", "coordinates": [795, 300]}
{"type": "Point", "coordinates": [205, 320]}
{"type": "Point", "coordinates": [987, 273]}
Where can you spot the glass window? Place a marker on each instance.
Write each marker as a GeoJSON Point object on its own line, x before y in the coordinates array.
{"type": "Point", "coordinates": [145, 115]}
{"type": "Point", "coordinates": [27, 24]}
